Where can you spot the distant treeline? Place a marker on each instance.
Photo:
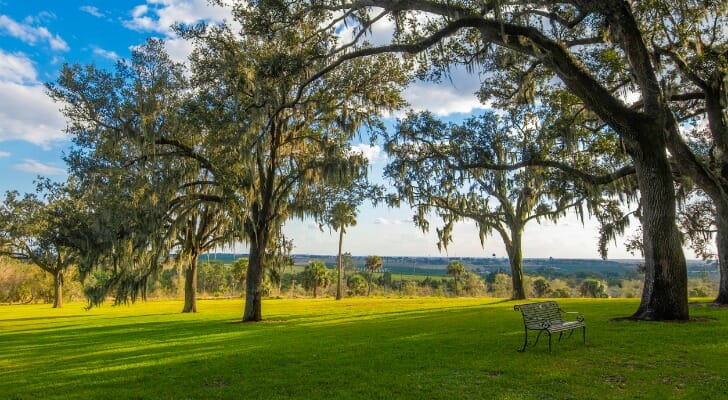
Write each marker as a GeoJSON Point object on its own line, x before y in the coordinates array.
{"type": "Point", "coordinates": [436, 266]}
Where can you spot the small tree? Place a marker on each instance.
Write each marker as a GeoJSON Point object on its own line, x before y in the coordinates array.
{"type": "Point", "coordinates": [239, 270]}
{"type": "Point", "coordinates": [473, 284]}
{"type": "Point", "coordinates": [315, 275]}
{"type": "Point", "coordinates": [456, 269]}
{"type": "Point", "coordinates": [341, 216]}
{"type": "Point", "coordinates": [372, 265]}
{"type": "Point", "coordinates": [357, 285]}
{"type": "Point", "coordinates": [500, 285]}
{"type": "Point", "coordinates": [279, 258]}
{"type": "Point", "coordinates": [592, 288]}
{"type": "Point", "coordinates": [541, 287]}
{"type": "Point", "coordinates": [42, 230]}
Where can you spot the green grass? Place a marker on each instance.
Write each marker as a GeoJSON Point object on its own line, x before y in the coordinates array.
{"type": "Point", "coordinates": [421, 348]}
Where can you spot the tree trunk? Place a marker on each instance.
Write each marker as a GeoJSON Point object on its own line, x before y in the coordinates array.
{"type": "Point", "coordinates": [664, 296]}
{"type": "Point", "coordinates": [515, 258]}
{"type": "Point", "coordinates": [340, 278]}
{"type": "Point", "coordinates": [721, 242]}
{"type": "Point", "coordinates": [58, 286]}
{"type": "Point", "coordinates": [254, 278]}
{"type": "Point", "coordinates": [191, 286]}
{"type": "Point", "coordinates": [314, 291]}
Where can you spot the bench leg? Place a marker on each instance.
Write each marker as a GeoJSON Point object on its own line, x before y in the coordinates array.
{"type": "Point", "coordinates": [525, 342]}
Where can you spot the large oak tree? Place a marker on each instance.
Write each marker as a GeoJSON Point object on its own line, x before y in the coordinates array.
{"type": "Point", "coordinates": [492, 170]}
{"type": "Point", "coordinates": [566, 40]}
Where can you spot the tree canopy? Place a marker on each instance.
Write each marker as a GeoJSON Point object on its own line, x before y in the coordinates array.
{"type": "Point", "coordinates": [600, 52]}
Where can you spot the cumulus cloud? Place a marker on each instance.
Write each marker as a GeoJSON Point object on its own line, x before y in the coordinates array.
{"type": "Point", "coordinates": [26, 112]}
{"type": "Point", "coordinates": [111, 55]}
{"type": "Point", "coordinates": [178, 49]}
{"type": "Point", "coordinates": [453, 95]}
{"type": "Point", "coordinates": [371, 153]}
{"type": "Point", "coordinates": [30, 34]}
{"type": "Point", "coordinates": [385, 221]}
{"type": "Point", "coordinates": [39, 168]}
{"type": "Point", "coordinates": [16, 67]}
{"type": "Point", "coordinates": [92, 10]}
{"type": "Point", "coordinates": [4, 154]}
{"type": "Point", "coordinates": [441, 99]}
{"type": "Point", "coordinates": [159, 15]}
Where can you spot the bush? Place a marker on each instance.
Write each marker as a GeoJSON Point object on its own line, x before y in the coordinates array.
{"type": "Point", "coordinates": [562, 293]}
{"type": "Point", "coordinates": [592, 288]}
{"type": "Point", "coordinates": [700, 291]}
{"type": "Point", "coordinates": [25, 283]}
{"type": "Point", "coordinates": [541, 287]}
{"type": "Point", "coordinates": [473, 284]}
{"type": "Point", "coordinates": [357, 285]}
{"type": "Point", "coordinates": [410, 288]}
{"type": "Point", "coordinates": [501, 285]}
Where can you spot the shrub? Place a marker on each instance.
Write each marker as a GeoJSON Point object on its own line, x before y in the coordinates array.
{"type": "Point", "coordinates": [501, 285]}
{"type": "Point", "coordinates": [700, 291]}
{"type": "Point", "coordinates": [592, 288]}
{"type": "Point", "coordinates": [541, 287]}
{"type": "Point", "coordinates": [473, 284]}
{"type": "Point", "coordinates": [562, 293]}
{"type": "Point", "coordinates": [357, 285]}
{"type": "Point", "coordinates": [24, 283]}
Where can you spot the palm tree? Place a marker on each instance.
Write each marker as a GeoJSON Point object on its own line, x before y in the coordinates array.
{"type": "Point", "coordinates": [315, 275]}
{"type": "Point", "coordinates": [456, 269]}
{"type": "Point", "coordinates": [372, 264]}
{"type": "Point", "coordinates": [341, 215]}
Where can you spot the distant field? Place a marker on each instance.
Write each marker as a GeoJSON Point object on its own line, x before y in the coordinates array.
{"type": "Point", "coordinates": [420, 348]}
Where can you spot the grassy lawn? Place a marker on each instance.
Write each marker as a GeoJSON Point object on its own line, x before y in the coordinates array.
{"type": "Point", "coordinates": [421, 348]}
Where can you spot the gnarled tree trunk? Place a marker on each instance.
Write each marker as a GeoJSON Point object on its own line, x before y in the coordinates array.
{"type": "Point", "coordinates": [191, 285]}
{"type": "Point", "coordinates": [58, 287]}
{"type": "Point", "coordinates": [515, 258]}
{"type": "Point", "coordinates": [664, 296]}
{"type": "Point", "coordinates": [721, 242]}
{"type": "Point", "coordinates": [254, 278]}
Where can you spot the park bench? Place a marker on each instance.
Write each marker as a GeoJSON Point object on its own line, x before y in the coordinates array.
{"type": "Point", "coordinates": [547, 317]}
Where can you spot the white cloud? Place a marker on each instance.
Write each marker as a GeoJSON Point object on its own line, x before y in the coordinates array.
{"type": "Point", "coordinates": [105, 53]}
{"type": "Point", "coordinates": [385, 221]}
{"type": "Point", "coordinates": [442, 100]}
{"type": "Point", "coordinates": [371, 153]}
{"type": "Point", "coordinates": [26, 112]}
{"type": "Point", "coordinates": [4, 154]}
{"type": "Point", "coordinates": [380, 33]}
{"type": "Point", "coordinates": [31, 34]}
{"type": "Point", "coordinates": [16, 68]}
{"type": "Point", "coordinates": [455, 94]}
{"type": "Point", "coordinates": [159, 15]}
{"type": "Point", "coordinates": [92, 10]}
{"type": "Point", "coordinates": [178, 49]}
{"type": "Point", "coordinates": [39, 168]}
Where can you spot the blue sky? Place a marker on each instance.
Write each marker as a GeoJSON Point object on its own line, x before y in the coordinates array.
{"type": "Point", "coordinates": [37, 37]}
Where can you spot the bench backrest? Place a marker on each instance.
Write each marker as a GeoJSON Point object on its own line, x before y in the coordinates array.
{"type": "Point", "coordinates": [535, 314]}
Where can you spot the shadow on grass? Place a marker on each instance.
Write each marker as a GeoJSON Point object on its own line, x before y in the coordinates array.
{"type": "Point", "coordinates": [49, 317]}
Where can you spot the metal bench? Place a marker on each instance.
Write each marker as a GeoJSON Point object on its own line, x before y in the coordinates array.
{"type": "Point", "coordinates": [547, 317]}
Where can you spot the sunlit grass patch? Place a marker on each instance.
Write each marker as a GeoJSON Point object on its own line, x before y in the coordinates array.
{"type": "Point", "coordinates": [409, 348]}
